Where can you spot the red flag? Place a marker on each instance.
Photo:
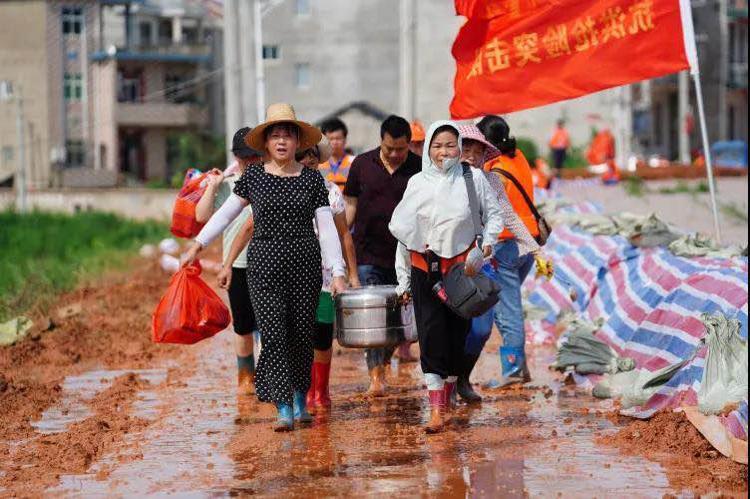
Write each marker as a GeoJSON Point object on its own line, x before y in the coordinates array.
{"type": "Point", "coordinates": [517, 54]}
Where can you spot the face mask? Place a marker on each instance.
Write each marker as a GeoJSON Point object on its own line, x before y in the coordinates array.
{"type": "Point", "coordinates": [450, 162]}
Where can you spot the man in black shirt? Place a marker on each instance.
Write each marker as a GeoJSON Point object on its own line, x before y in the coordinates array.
{"type": "Point", "coordinates": [376, 183]}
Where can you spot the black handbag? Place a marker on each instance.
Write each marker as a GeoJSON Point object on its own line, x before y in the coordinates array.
{"type": "Point", "coordinates": [545, 229]}
{"type": "Point", "coordinates": [468, 296]}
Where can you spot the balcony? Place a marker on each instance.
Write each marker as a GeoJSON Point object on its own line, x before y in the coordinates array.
{"type": "Point", "coordinates": [162, 52]}
{"type": "Point", "coordinates": [738, 75]}
{"type": "Point", "coordinates": [161, 114]}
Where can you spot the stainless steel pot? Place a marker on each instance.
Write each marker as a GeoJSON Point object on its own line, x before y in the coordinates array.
{"type": "Point", "coordinates": [373, 316]}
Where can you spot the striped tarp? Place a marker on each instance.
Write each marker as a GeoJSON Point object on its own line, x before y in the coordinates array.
{"type": "Point", "coordinates": [649, 299]}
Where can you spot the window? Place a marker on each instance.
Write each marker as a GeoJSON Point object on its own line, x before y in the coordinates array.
{"type": "Point", "coordinates": [271, 52]}
{"type": "Point", "coordinates": [72, 20]}
{"type": "Point", "coordinates": [7, 154]}
{"type": "Point", "coordinates": [129, 85]}
{"type": "Point", "coordinates": [302, 75]}
{"type": "Point", "coordinates": [145, 35]}
{"type": "Point", "coordinates": [303, 7]}
{"type": "Point", "coordinates": [75, 153]}
{"type": "Point", "coordinates": [72, 86]}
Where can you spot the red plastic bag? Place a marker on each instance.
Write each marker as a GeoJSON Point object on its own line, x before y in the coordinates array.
{"type": "Point", "coordinates": [189, 311]}
{"type": "Point", "coordinates": [183, 212]}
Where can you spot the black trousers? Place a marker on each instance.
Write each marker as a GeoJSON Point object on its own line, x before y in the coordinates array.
{"type": "Point", "coordinates": [442, 333]}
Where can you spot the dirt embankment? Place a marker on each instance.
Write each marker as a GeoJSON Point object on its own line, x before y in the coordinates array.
{"type": "Point", "coordinates": [100, 325]}
{"type": "Point", "coordinates": [691, 461]}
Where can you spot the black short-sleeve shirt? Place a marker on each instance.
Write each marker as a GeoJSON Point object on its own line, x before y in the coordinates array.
{"type": "Point", "coordinates": [283, 207]}
{"type": "Point", "coordinates": [377, 192]}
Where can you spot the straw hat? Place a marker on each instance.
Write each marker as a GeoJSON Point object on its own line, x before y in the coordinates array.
{"type": "Point", "coordinates": [324, 150]}
{"type": "Point", "coordinates": [283, 113]}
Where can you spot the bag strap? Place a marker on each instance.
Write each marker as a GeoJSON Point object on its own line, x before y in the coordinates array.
{"type": "Point", "coordinates": [526, 197]}
{"type": "Point", "coordinates": [473, 204]}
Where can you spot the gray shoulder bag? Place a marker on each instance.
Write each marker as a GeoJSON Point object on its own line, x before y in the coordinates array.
{"type": "Point", "coordinates": [470, 296]}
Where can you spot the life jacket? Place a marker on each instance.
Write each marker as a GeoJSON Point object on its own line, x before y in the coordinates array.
{"type": "Point", "coordinates": [520, 169]}
{"type": "Point", "coordinates": [336, 173]}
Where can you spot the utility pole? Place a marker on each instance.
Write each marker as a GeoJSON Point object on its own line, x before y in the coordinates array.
{"type": "Point", "coordinates": [683, 107]}
{"type": "Point", "coordinates": [260, 75]}
{"type": "Point", "coordinates": [10, 94]}
{"type": "Point", "coordinates": [408, 59]}
{"type": "Point", "coordinates": [232, 77]}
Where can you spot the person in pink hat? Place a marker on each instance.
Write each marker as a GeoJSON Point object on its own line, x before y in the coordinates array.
{"type": "Point", "coordinates": [476, 150]}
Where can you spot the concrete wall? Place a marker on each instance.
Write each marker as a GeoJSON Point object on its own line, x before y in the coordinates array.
{"type": "Point", "coordinates": [353, 50]}
{"type": "Point", "coordinates": [139, 204]}
{"type": "Point", "coordinates": [155, 145]}
{"type": "Point", "coordinates": [23, 60]}
{"type": "Point", "coordinates": [105, 133]}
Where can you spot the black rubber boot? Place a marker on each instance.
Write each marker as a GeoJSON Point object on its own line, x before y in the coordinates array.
{"type": "Point", "coordinates": [463, 385]}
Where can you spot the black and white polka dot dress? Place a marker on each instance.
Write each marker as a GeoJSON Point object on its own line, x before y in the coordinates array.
{"type": "Point", "coordinates": [283, 276]}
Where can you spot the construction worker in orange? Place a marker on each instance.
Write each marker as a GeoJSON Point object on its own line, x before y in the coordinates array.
{"type": "Point", "coordinates": [514, 257]}
{"type": "Point", "coordinates": [417, 137]}
{"type": "Point", "coordinates": [336, 168]}
{"type": "Point", "coordinates": [601, 151]}
{"type": "Point", "coordinates": [559, 145]}
{"type": "Point", "coordinates": [540, 173]}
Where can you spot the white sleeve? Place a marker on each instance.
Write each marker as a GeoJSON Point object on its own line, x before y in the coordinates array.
{"type": "Point", "coordinates": [221, 219]}
{"type": "Point", "coordinates": [492, 218]}
{"type": "Point", "coordinates": [403, 269]}
{"type": "Point", "coordinates": [330, 246]}
{"type": "Point", "coordinates": [526, 242]}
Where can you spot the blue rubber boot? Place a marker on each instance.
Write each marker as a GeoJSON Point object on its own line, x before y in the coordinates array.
{"type": "Point", "coordinates": [300, 408]}
{"type": "Point", "coordinates": [513, 368]}
{"type": "Point", "coordinates": [285, 418]}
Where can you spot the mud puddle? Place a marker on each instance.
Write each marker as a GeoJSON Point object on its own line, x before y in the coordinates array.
{"type": "Point", "coordinates": [536, 441]}
{"type": "Point", "coordinates": [79, 390]}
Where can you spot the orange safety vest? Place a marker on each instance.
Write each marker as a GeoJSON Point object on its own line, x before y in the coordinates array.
{"type": "Point", "coordinates": [520, 169]}
{"type": "Point", "coordinates": [339, 174]}
{"type": "Point", "coordinates": [560, 139]}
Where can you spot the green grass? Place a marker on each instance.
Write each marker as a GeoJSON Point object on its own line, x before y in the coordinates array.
{"type": "Point", "coordinates": [634, 186]}
{"type": "Point", "coordinates": [683, 187]}
{"type": "Point", "coordinates": [43, 254]}
{"type": "Point", "coordinates": [735, 212]}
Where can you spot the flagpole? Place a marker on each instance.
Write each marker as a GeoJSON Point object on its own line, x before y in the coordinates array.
{"type": "Point", "coordinates": [707, 154]}
{"type": "Point", "coordinates": [691, 51]}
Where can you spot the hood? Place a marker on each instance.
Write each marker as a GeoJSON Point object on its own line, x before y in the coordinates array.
{"type": "Point", "coordinates": [430, 168]}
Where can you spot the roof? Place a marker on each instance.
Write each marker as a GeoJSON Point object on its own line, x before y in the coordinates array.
{"type": "Point", "coordinates": [363, 107]}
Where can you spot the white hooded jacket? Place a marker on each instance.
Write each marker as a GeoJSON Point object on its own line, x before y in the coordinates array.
{"type": "Point", "coordinates": [434, 213]}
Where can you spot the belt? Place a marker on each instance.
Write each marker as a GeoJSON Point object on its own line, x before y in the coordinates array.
{"type": "Point", "coordinates": [419, 260]}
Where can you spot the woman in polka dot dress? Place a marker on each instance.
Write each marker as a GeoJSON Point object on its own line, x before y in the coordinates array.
{"type": "Point", "coordinates": [284, 257]}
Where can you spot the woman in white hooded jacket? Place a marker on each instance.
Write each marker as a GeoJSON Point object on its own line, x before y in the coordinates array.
{"type": "Point", "coordinates": [433, 224]}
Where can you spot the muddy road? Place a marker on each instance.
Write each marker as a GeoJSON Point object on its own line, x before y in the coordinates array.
{"type": "Point", "coordinates": [91, 408]}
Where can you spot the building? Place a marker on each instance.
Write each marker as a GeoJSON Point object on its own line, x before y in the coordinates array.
{"type": "Point", "coordinates": [108, 86]}
{"type": "Point", "coordinates": [392, 56]}
{"type": "Point", "coordinates": [665, 109]}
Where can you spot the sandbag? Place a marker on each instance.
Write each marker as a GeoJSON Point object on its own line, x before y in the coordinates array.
{"type": "Point", "coordinates": [725, 375]}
